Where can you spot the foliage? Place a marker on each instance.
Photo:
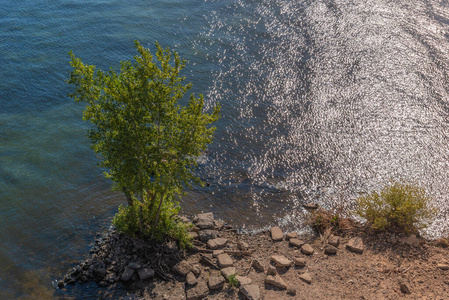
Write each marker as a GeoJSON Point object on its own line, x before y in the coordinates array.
{"type": "Point", "coordinates": [333, 220]}
{"type": "Point", "coordinates": [232, 280]}
{"type": "Point", "coordinates": [148, 142]}
{"type": "Point", "coordinates": [398, 206]}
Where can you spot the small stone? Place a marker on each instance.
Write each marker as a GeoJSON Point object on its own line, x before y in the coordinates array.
{"type": "Point", "coordinates": [330, 250]}
{"type": "Point", "coordinates": [291, 235]}
{"type": "Point", "coordinates": [443, 267]}
{"type": "Point", "coordinates": [196, 270]}
{"type": "Point", "coordinates": [183, 268]}
{"type": "Point", "coordinates": [205, 224]}
{"type": "Point", "coordinates": [251, 292]}
{"type": "Point", "coordinates": [258, 265]}
{"type": "Point", "coordinates": [307, 249]}
{"type": "Point", "coordinates": [203, 217]}
{"type": "Point", "coordinates": [243, 280]}
{"type": "Point", "coordinates": [200, 291]}
{"type": "Point", "coordinates": [217, 243]}
{"type": "Point", "coordinates": [194, 235]}
{"type": "Point", "coordinates": [355, 245]}
{"type": "Point", "coordinates": [276, 234]}
{"type": "Point", "coordinates": [306, 277]}
{"type": "Point", "coordinates": [271, 271]}
{"type": "Point", "coordinates": [102, 284]}
{"type": "Point", "coordinates": [299, 261]}
{"type": "Point", "coordinates": [334, 241]}
{"type": "Point", "coordinates": [224, 260]}
{"type": "Point", "coordinates": [277, 281]}
{"type": "Point", "coordinates": [215, 282]}
{"type": "Point", "coordinates": [127, 274]}
{"type": "Point", "coordinates": [217, 252]}
{"type": "Point", "coordinates": [191, 279]}
{"type": "Point", "coordinates": [208, 261]}
{"type": "Point", "coordinates": [404, 288]}
{"type": "Point", "coordinates": [296, 242]}
{"type": "Point", "coordinates": [229, 271]}
{"type": "Point", "coordinates": [281, 261]}
{"type": "Point", "coordinates": [145, 273]}
{"type": "Point", "coordinates": [135, 265]}
{"type": "Point", "coordinates": [242, 245]}
{"type": "Point", "coordinates": [60, 284]}
{"type": "Point", "coordinates": [219, 224]}
{"type": "Point", "coordinates": [208, 234]}
{"type": "Point", "coordinates": [310, 206]}
{"type": "Point", "coordinates": [291, 291]}
{"type": "Point", "coordinates": [412, 241]}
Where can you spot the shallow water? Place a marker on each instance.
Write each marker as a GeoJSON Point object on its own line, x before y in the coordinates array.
{"type": "Point", "coordinates": [322, 100]}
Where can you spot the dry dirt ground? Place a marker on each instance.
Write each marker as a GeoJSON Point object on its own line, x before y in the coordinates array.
{"type": "Point", "coordinates": [387, 262]}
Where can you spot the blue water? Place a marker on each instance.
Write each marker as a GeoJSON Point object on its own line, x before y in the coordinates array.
{"type": "Point", "coordinates": [322, 100]}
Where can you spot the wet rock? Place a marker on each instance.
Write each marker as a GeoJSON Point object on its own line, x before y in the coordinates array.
{"type": "Point", "coordinates": [404, 288]}
{"type": "Point", "coordinates": [243, 280]}
{"type": "Point", "coordinates": [281, 261]}
{"type": "Point", "coordinates": [229, 271]}
{"type": "Point", "coordinates": [183, 268]}
{"type": "Point", "coordinates": [102, 284]}
{"type": "Point", "coordinates": [60, 284]}
{"type": "Point", "coordinates": [271, 271]}
{"type": "Point", "coordinates": [276, 281]}
{"type": "Point", "coordinates": [191, 279]}
{"type": "Point", "coordinates": [306, 278]}
{"type": "Point", "coordinates": [291, 235]}
{"type": "Point", "coordinates": [334, 241]}
{"type": "Point", "coordinates": [276, 234]}
{"type": "Point", "coordinates": [127, 274]}
{"type": "Point", "coordinates": [224, 260]}
{"type": "Point", "coordinates": [215, 282]}
{"type": "Point", "coordinates": [296, 242]}
{"type": "Point", "coordinates": [251, 292]}
{"type": "Point", "coordinates": [299, 261]}
{"type": "Point", "coordinates": [217, 243]}
{"type": "Point", "coordinates": [330, 250]}
{"type": "Point", "coordinates": [307, 249]}
{"type": "Point", "coordinates": [355, 245]}
{"type": "Point", "coordinates": [145, 273]}
{"type": "Point", "coordinates": [258, 265]}
{"type": "Point", "coordinates": [208, 234]}
{"type": "Point", "coordinates": [200, 291]}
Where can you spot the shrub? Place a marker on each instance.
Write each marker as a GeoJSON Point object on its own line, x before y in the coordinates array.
{"type": "Point", "coordinates": [398, 207]}
{"type": "Point", "coordinates": [334, 220]}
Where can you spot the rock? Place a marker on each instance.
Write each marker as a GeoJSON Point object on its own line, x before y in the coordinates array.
{"type": "Point", "coordinates": [145, 273]}
{"type": "Point", "coordinates": [208, 234]}
{"type": "Point", "coordinates": [196, 270]}
{"type": "Point", "coordinates": [242, 245]}
{"type": "Point", "coordinates": [281, 261]}
{"type": "Point", "coordinates": [307, 249]}
{"type": "Point", "coordinates": [243, 280]}
{"type": "Point", "coordinates": [100, 272]}
{"type": "Point", "coordinates": [306, 277]}
{"type": "Point", "coordinates": [277, 281]}
{"type": "Point", "coordinates": [330, 250]}
{"type": "Point", "coordinates": [217, 252]}
{"type": "Point", "coordinates": [404, 288]}
{"type": "Point", "coordinates": [291, 235]}
{"type": "Point", "coordinates": [296, 242]}
{"type": "Point", "coordinates": [443, 267]}
{"type": "Point", "coordinates": [299, 261]}
{"type": "Point", "coordinates": [276, 234]}
{"type": "Point", "coordinates": [205, 224]}
{"type": "Point", "coordinates": [208, 261]}
{"type": "Point", "coordinates": [412, 241]}
{"type": "Point", "coordinates": [310, 206]}
{"type": "Point", "coordinates": [127, 274]}
{"type": "Point", "coordinates": [355, 245]}
{"type": "Point", "coordinates": [271, 271]}
{"type": "Point", "coordinates": [60, 284]}
{"type": "Point", "coordinates": [226, 272]}
{"type": "Point", "coordinates": [183, 268]}
{"type": "Point", "coordinates": [200, 291]}
{"type": "Point", "coordinates": [258, 265]}
{"type": "Point", "coordinates": [191, 279]}
{"type": "Point", "coordinates": [291, 291]}
{"type": "Point", "coordinates": [334, 241]}
{"type": "Point", "coordinates": [224, 260]}
{"type": "Point", "coordinates": [194, 235]}
{"type": "Point", "coordinates": [215, 282]}
{"type": "Point", "coordinates": [251, 292]}
{"type": "Point", "coordinates": [204, 217]}
{"type": "Point", "coordinates": [135, 265]}
{"type": "Point", "coordinates": [219, 224]}
{"type": "Point", "coordinates": [102, 284]}
{"type": "Point", "coordinates": [217, 243]}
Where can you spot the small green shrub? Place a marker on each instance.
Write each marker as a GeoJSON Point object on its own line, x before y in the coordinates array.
{"type": "Point", "coordinates": [398, 206]}
{"type": "Point", "coordinates": [233, 281]}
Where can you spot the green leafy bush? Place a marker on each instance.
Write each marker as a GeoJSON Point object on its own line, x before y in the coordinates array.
{"type": "Point", "coordinates": [398, 206]}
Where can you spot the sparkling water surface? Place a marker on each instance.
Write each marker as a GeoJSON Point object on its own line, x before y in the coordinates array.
{"type": "Point", "coordinates": [322, 101]}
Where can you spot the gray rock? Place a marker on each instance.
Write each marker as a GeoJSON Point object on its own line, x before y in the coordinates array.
{"type": "Point", "coordinates": [217, 252]}
{"type": "Point", "coordinates": [330, 250]}
{"type": "Point", "coordinates": [226, 272]}
{"type": "Point", "coordinates": [334, 241]}
{"type": "Point", "coordinates": [251, 292]}
{"type": "Point", "coordinates": [135, 265]}
{"type": "Point", "coordinates": [306, 277]}
{"type": "Point", "coordinates": [276, 281]}
{"type": "Point", "coordinates": [200, 291]}
{"type": "Point", "coordinates": [183, 268]}
{"type": "Point", "coordinates": [258, 265]}
{"type": "Point", "coordinates": [205, 224]}
{"type": "Point", "coordinates": [296, 242]}
{"type": "Point", "coordinates": [145, 273]}
{"type": "Point", "coordinates": [276, 234]}
{"type": "Point", "coordinates": [355, 245]}
{"type": "Point", "coordinates": [404, 288]}
{"type": "Point", "coordinates": [215, 282]}
{"type": "Point", "coordinates": [224, 260]}
{"type": "Point", "coordinates": [203, 217]}
{"type": "Point", "coordinates": [271, 271]}
{"type": "Point", "coordinates": [307, 249]}
{"type": "Point", "coordinates": [412, 241]}
{"type": "Point", "coordinates": [219, 224]}
{"type": "Point", "coordinates": [127, 274]}
{"type": "Point", "coordinates": [281, 261]}
{"type": "Point", "coordinates": [191, 279]}
{"type": "Point", "coordinates": [291, 235]}
{"type": "Point", "coordinates": [299, 261]}
{"type": "Point", "coordinates": [196, 270]}
{"type": "Point", "coordinates": [207, 234]}
{"type": "Point", "coordinates": [217, 243]}
{"type": "Point", "coordinates": [243, 280]}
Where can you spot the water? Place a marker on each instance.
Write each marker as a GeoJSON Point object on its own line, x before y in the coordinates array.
{"type": "Point", "coordinates": [322, 100]}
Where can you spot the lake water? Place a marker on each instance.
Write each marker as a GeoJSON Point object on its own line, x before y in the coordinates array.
{"type": "Point", "coordinates": [322, 100]}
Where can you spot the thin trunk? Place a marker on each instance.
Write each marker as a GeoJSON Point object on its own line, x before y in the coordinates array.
{"type": "Point", "coordinates": [157, 215]}
{"type": "Point", "coordinates": [128, 196]}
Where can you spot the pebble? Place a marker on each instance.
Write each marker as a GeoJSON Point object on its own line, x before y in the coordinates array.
{"type": "Point", "coordinates": [217, 243]}
{"type": "Point", "coordinates": [330, 250]}
{"type": "Point", "coordinates": [191, 279]}
{"type": "Point", "coordinates": [258, 265]}
{"type": "Point", "coordinates": [276, 234]}
{"type": "Point", "coordinates": [307, 249]}
{"type": "Point", "coordinates": [306, 277]}
{"type": "Point", "coordinates": [334, 241]}
{"type": "Point", "coordinates": [281, 261]}
{"type": "Point", "coordinates": [291, 235]}
{"type": "Point", "coordinates": [271, 270]}
{"type": "Point", "coordinates": [443, 267]}
{"type": "Point", "coordinates": [224, 260]}
{"type": "Point", "coordinates": [299, 261]}
{"type": "Point", "coordinates": [355, 245]}
{"type": "Point", "coordinates": [296, 242]}
{"type": "Point", "coordinates": [215, 282]}
{"type": "Point", "coordinates": [277, 281]}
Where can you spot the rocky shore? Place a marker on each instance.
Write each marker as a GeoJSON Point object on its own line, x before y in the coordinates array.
{"type": "Point", "coordinates": [268, 265]}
